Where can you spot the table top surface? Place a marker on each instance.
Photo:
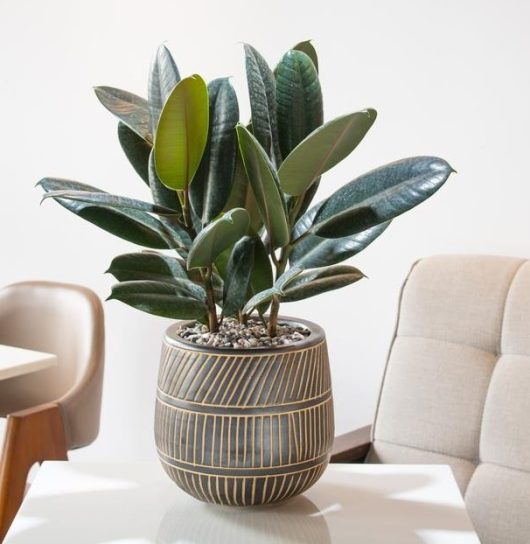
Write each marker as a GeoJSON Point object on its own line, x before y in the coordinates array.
{"type": "Point", "coordinates": [136, 503]}
{"type": "Point", "coordinates": [15, 361]}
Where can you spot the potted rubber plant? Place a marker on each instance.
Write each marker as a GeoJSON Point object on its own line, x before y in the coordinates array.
{"type": "Point", "coordinates": [244, 411]}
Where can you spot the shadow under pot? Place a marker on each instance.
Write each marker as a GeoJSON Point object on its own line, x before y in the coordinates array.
{"type": "Point", "coordinates": [244, 427]}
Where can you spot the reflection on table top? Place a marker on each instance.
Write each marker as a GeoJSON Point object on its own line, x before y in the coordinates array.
{"type": "Point", "coordinates": [135, 503]}
{"type": "Point", "coordinates": [15, 361]}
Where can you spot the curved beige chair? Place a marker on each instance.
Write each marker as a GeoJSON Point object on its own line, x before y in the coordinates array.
{"type": "Point", "coordinates": [57, 409]}
{"type": "Point", "coordinates": [456, 388]}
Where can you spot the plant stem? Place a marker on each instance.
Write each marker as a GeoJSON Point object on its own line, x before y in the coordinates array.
{"type": "Point", "coordinates": [281, 264]}
{"type": "Point", "coordinates": [213, 323]}
{"type": "Point", "coordinates": [184, 198]}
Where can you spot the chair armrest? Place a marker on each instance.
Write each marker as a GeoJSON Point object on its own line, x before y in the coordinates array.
{"type": "Point", "coordinates": [351, 447]}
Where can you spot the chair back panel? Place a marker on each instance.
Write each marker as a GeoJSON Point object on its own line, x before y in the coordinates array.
{"type": "Point", "coordinates": [66, 320]}
{"type": "Point", "coordinates": [457, 385]}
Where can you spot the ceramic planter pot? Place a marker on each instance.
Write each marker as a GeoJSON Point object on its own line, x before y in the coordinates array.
{"type": "Point", "coordinates": [244, 427]}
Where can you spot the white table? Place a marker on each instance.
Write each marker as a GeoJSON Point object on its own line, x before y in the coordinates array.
{"type": "Point", "coordinates": [16, 361]}
{"type": "Point", "coordinates": [135, 503]}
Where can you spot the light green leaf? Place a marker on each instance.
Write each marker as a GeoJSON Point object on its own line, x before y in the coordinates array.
{"type": "Point", "coordinates": [264, 183]}
{"type": "Point", "coordinates": [217, 236]}
{"type": "Point", "coordinates": [182, 133]}
{"type": "Point", "coordinates": [322, 149]}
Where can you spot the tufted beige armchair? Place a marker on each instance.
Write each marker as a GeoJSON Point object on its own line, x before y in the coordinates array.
{"type": "Point", "coordinates": [456, 388]}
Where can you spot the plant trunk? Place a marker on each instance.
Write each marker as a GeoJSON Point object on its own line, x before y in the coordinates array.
{"type": "Point", "coordinates": [273, 317]}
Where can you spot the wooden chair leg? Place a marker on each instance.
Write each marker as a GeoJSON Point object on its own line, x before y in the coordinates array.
{"type": "Point", "coordinates": [32, 436]}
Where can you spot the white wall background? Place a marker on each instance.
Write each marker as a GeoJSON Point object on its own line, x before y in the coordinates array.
{"type": "Point", "coordinates": [449, 78]}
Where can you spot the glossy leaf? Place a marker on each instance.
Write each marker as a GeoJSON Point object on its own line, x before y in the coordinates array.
{"type": "Point", "coordinates": [264, 183]}
{"type": "Point", "coordinates": [315, 282]}
{"type": "Point", "coordinates": [298, 98]}
{"type": "Point", "coordinates": [238, 271]}
{"type": "Point", "coordinates": [322, 149]}
{"type": "Point", "coordinates": [182, 133]}
{"type": "Point", "coordinates": [388, 191]}
{"type": "Point", "coordinates": [131, 225]}
{"type": "Point", "coordinates": [218, 236]}
{"type": "Point", "coordinates": [261, 277]}
{"type": "Point", "coordinates": [346, 223]}
{"type": "Point", "coordinates": [147, 265]}
{"type": "Point", "coordinates": [306, 284]}
{"type": "Point", "coordinates": [313, 251]}
{"type": "Point", "coordinates": [161, 194]}
{"type": "Point", "coordinates": [158, 298]}
{"type": "Point", "coordinates": [163, 76]}
{"type": "Point", "coordinates": [308, 48]}
{"type": "Point", "coordinates": [262, 93]}
{"type": "Point", "coordinates": [129, 108]}
{"type": "Point", "coordinates": [98, 198]}
{"type": "Point", "coordinates": [212, 183]}
{"type": "Point", "coordinates": [136, 149]}
{"type": "Point", "coordinates": [277, 290]}
{"type": "Point", "coordinates": [241, 196]}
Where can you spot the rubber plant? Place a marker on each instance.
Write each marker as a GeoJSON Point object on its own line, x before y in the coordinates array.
{"type": "Point", "coordinates": [231, 202]}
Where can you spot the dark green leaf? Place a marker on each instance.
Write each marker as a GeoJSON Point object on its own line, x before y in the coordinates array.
{"type": "Point", "coordinates": [241, 196]}
{"type": "Point", "coordinates": [262, 93]}
{"type": "Point", "coordinates": [212, 183]}
{"type": "Point", "coordinates": [182, 133]}
{"type": "Point", "coordinates": [261, 277]}
{"type": "Point", "coordinates": [307, 48]}
{"type": "Point", "coordinates": [314, 282]}
{"type": "Point", "coordinates": [136, 149]}
{"type": "Point", "coordinates": [346, 223]}
{"type": "Point", "coordinates": [296, 284]}
{"type": "Point", "coordinates": [322, 149]}
{"type": "Point", "coordinates": [158, 298]}
{"type": "Point", "coordinates": [131, 109]}
{"type": "Point", "coordinates": [163, 77]}
{"type": "Point", "coordinates": [264, 183]}
{"type": "Point", "coordinates": [151, 266]}
{"type": "Point", "coordinates": [389, 190]}
{"type": "Point", "coordinates": [161, 194]}
{"type": "Point", "coordinates": [147, 265]}
{"type": "Point", "coordinates": [98, 198]}
{"type": "Point", "coordinates": [277, 290]}
{"type": "Point", "coordinates": [131, 225]}
{"type": "Point", "coordinates": [298, 98]}
{"type": "Point", "coordinates": [313, 251]}
{"type": "Point", "coordinates": [218, 236]}
{"type": "Point", "coordinates": [238, 273]}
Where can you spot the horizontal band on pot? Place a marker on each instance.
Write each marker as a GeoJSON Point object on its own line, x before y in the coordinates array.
{"type": "Point", "coordinates": [244, 472]}
{"type": "Point", "coordinates": [273, 410]}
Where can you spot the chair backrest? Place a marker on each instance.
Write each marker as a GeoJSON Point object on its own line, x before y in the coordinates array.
{"type": "Point", "coordinates": [66, 320]}
{"type": "Point", "coordinates": [457, 385]}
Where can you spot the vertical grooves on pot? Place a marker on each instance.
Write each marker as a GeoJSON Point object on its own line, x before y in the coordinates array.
{"type": "Point", "coordinates": [246, 428]}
